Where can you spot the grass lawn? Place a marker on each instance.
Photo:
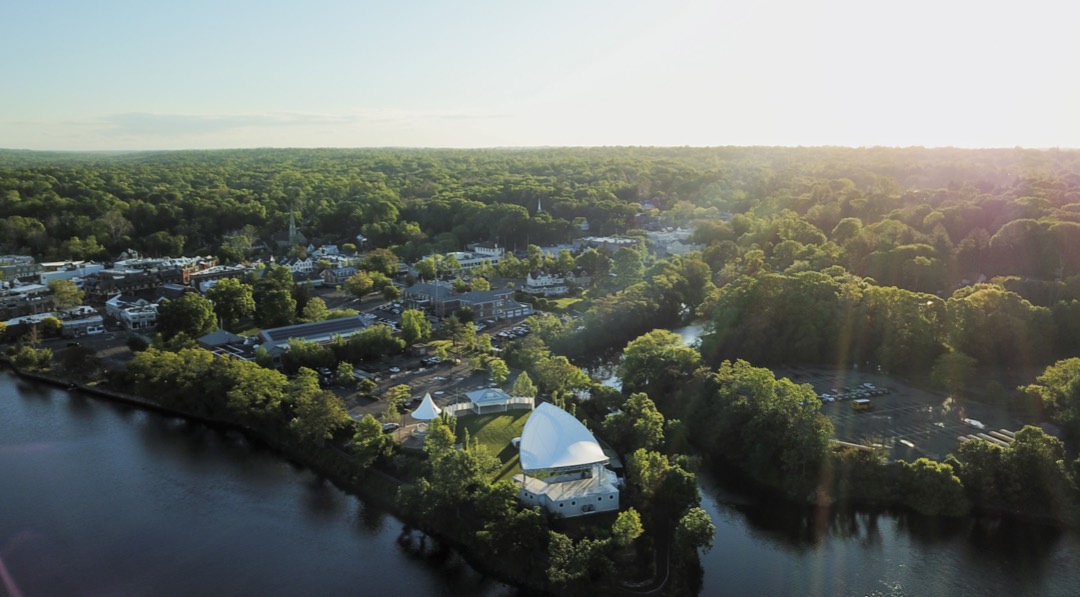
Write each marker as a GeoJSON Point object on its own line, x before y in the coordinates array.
{"type": "Point", "coordinates": [495, 431]}
{"type": "Point", "coordinates": [564, 304]}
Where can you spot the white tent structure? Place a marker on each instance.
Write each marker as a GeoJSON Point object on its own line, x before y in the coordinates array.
{"type": "Point", "coordinates": [427, 409]}
{"type": "Point", "coordinates": [562, 466]}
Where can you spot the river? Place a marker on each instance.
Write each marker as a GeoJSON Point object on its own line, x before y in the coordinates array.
{"type": "Point", "coordinates": [100, 499]}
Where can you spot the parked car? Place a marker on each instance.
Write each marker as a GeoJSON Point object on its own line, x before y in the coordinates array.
{"type": "Point", "coordinates": [388, 427]}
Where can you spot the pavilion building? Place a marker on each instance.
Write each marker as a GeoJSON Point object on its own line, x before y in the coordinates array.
{"type": "Point", "coordinates": [563, 466]}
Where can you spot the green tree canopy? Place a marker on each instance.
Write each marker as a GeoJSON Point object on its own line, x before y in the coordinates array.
{"type": "Point", "coordinates": [233, 300]}
{"type": "Point", "coordinates": [65, 294]}
{"type": "Point", "coordinates": [190, 314]}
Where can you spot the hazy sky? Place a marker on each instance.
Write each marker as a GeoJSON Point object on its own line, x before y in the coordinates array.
{"type": "Point", "coordinates": [150, 74]}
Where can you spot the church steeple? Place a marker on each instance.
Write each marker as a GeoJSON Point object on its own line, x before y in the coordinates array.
{"type": "Point", "coordinates": [539, 208]}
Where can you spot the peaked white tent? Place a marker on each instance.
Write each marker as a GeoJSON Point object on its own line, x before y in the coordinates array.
{"type": "Point", "coordinates": [554, 439]}
{"type": "Point", "coordinates": [427, 409]}
{"type": "Point", "coordinates": [562, 466]}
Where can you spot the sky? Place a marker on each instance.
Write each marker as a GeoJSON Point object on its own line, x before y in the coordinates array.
{"type": "Point", "coordinates": [152, 74]}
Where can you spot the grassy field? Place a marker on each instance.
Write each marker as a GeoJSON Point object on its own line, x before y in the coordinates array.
{"type": "Point", "coordinates": [495, 431]}
{"type": "Point", "coordinates": [564, 304]}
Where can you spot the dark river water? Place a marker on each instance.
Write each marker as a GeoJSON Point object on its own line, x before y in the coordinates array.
{"type": "Point", "coordinates": [98, 499]}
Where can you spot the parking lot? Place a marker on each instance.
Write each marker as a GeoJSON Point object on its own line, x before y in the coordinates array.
{"type": "Point", "coordinates": [912, 422]}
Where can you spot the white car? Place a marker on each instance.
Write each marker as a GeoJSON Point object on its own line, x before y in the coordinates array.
{"type": "Point", "coordinates": [395, 370]}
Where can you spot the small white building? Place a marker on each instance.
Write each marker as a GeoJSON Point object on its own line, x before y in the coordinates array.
{"type": "Point", "coordinates": [542, 283]}
{"type": "Point", "coordinates": [68, 270]}
{"type": "Point", "coordinates": [562, 466]}
{"type": "Point", "coordinates": [489, 400]}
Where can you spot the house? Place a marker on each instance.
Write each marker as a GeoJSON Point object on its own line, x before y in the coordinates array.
{"type": "Point", "coordinates": [478, 255]}
{"type": "Point", "coordinates": [139, 318]}
{"type": "Point", "coordinates": [436, 297]}
{"type": "Point", "coordinates": [200, 279]}
{"type": "Point", "coordinates": [554, 250]}
{"type": "Point", "coordinates": [563, 466]}
{"type": "Point", "coordinates": [606, 244]}
{"type": "Point", "coordinates": [114, 281]}
{"type": "Point", "coordinates": [680, 248]}
{"type": "Point", "coordinates": [18, 267]}
{"type": "Point", "coordinates": [338, 275]}
{"type": "Point", "coordinates": [324, 251]}
{"type": "Point", "coordinates": [17, 300]}
{"type": "Point", "coordinates": [85, 325]}
{"type": "Point", "coordinates": [439, 298]}
{"type": "Point", "coordinates": [305, 265]}
{"type": "Point", "coordinates": [488, 304]}
{"type": "Point", "coordinates": [133, 313]}
{"type": "Point", "coordinates": [542, 283]}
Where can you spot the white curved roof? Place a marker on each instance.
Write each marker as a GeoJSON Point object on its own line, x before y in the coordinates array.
{"type": "Point", "coordinates": [427, 410]}
{"type": "Point", "coordinates": [553, 439]}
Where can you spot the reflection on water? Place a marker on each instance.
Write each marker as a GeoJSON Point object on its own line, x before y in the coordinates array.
{"type": "Point", "coordinates": [766, 546]}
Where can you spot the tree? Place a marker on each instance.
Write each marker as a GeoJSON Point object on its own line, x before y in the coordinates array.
{"type": "Point", "coordinates": [451, 264]}
{"type": "Point", "coordinates": [32, 358]}
{"type": "Point", "coordinates": [233, 300]}
{"type": "Point", "coordinates": [190, 314]}
{"type": "Point", "coordinates": [523, 386]}
{"type": "Point", "coordinates": [426, 268]}
{"type": "Point", "coordinates": [369, 442]}
{"type": "Point", "coordinates": [65, 294]}
{"type": "Point", "coordinates": [657, 362]}
{"type": "Point", "coordinates": [626, 528]}
{"type": "Point", "coordinates": [359, 284]}
{"type": "Point", "coordinates": [931, 488]}
{"type": "Point", "coordinates": [397, 396]}
{"type": "Point", "coordinates": [50, 326]}
{"type": "Point", "coordinates": [307, 354]}
{"type": "Point", "coordinates": [465, 315]}
{"type": "Point", "coordinates": [317, 413]}
{"type": "Point", "coordinates": [381, 260]}
{"type": "Point", "coordinates": [628, 267]}
{"type": "Point", "coordinates": [278, 308]}
{"type": "Point", "coordinates": [380, 281]}
{"type": "Point", "coordinates": [695, 530]}
{"type": "Point", "coordinates": [483, 343]}
{"type": "Point", "coordinates": [453, 329]}
{"type": "Point", "coordinates": [343, 374]}
{"type": "Point", "coordinates": [415, 326]}
{"type": "Point", "coordinates": [557, 374]}
{"type": "Point", "coordinates": [952, 371]}
{"type": "Point", "coordinates": [1058, 388]}
{"type": "Point", "coordinates": [391, 293]}
{"type": "Point", "coordinates": [315, 310]}
{"type": "Point", "coordinates": [499, 371]}
{"type": "Point", "coordinates": [637, 425]}
{"type": "Point", "coordinates": [372, 343]}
